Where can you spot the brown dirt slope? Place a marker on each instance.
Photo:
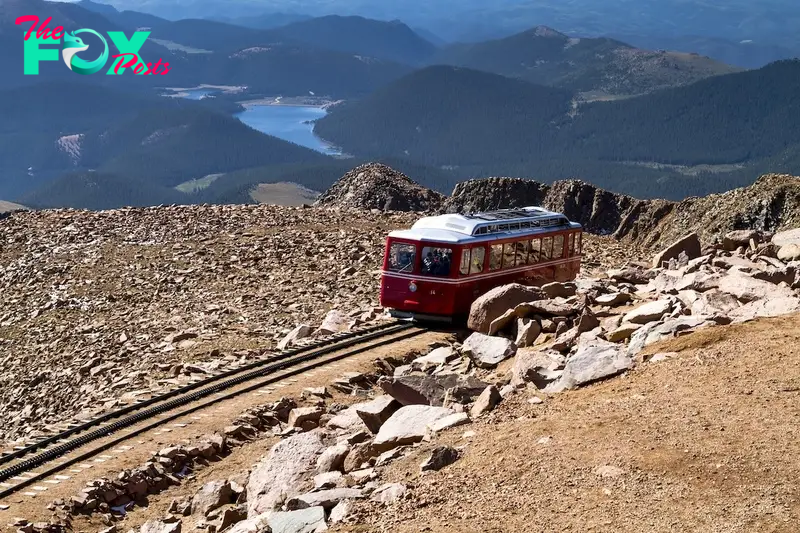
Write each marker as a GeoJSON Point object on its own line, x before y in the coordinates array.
{"type": "Point", "coordinates": [702, 442]}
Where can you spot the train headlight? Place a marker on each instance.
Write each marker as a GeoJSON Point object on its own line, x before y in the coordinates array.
{"type": "Point", "coordinates": [412, 287]}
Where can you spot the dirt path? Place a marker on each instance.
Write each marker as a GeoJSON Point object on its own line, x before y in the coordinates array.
{"type": "Point", "coordinates": [703, 442]}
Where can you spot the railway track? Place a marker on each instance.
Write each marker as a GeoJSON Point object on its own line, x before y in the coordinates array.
{"type": "Point", "coordinates": [130, 421]}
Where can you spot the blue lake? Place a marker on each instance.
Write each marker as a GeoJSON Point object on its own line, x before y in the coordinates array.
{"type": "Point", "coordinates": [290, 123]}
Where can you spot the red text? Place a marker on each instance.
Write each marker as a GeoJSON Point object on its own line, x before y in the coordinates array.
{"type": "Point", "coordinates": [133, 59]}
{"type": "Point", "coordinates": [43, 32]}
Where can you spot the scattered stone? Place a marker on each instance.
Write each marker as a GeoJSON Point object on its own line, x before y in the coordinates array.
{"type": "Point", "coordinates": [593, 361]}
{"type": "Point", "coordinates": [613, 299]}
{"type": "Point", "coordinates": [378, 411]}
{"type": "Point", "coordinates": [496, 302]}
{"type": "Point", "coordinates": [407, 426]}
{"type": "Point", "coordinates": [299, 415]}
{"type": "Point", "coordinates": [441, 457]}
{"type": "Point", "coordinates": [389, 493]}
{"type": "Point", "coordinates": [436, 358]}
{"type": "Point", "coordinates": [649, 312]}
{"type": "Point", "coordinates": [157, 526]}
{"type": "Point", "coordinates": [340, 513]}
{"type": "Point", "coordinates": [211, 496]}
{"type": "Point", "coordinates": [332, 458]}
{"type": "Point", "coordinates": [296, 334]}
{"type": "Point", "coordinates": [326, 499]}
{"type": "Point", "coordinates": [421, 389]}
{"type": "Point", "coordinates": [528, 330]}
{"type": "Point", "coordinates": [689, 245]}
{"type": "Point", "coordinates": [488, 352]}
{"type": "Point", "coordinates": [486, 401]}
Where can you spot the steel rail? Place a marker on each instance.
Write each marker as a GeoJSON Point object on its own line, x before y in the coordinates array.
{"type": "Point", "coordinates": [188, 394]}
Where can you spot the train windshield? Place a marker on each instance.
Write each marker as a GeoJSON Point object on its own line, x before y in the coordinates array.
{"type": "Point", "coordinates": [436, 261]}
{"type": "Point", "coordinates": [401, 257]}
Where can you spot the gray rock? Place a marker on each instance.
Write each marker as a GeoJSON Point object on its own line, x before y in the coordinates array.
{"type": "Point", "coordinates": [689, 244]}
{"type": "Point", "coordinates": [735, 239]}
{"type": "Point", "coordinates": [389, 493]}
{"type": "Point", "coordinates": [334, 322]}
{"type": "Point", "coordinates": [450, 421]}
{"type": "Point", "coordinates": [323, 498]}
{"type": "Point", "coordinates": [635, 275]}
{"type": "Point", "coordinates": [535, 366]}
{"type": "Point", "coordinates": [785, 238]}
{"type": "Point", "coordinates": [257, 524]}
{"type": "Point", "coordinates": [649, 312]}
{"type": "Point", "coordinates": [436, 358]}
{"type": "Point", "coordinates": [407, 426]}
{"type": "Point", "coordinates": [488, 352]}
{"type": "Point", "coordinates": [790, 252]}
{"type": "Point", "coordinates": [378, 411]}
{"type": "Point", "coordinates": [771, 307]}
{"type": "Point", "coordinates": [340, 513]}
{"type": "Point", "coordinates": [358, 456]}
{"type": "Point", "coordinates": [528, 330]}
{"type": "Point", "coordinates": [623, 332]}
{"type": "Point", "coordinates": [332, 458]}
{"type": "Point", "coordinates": [347, 420]}
{"type": "Point", "coordinates": [310, 520]}
{"type": "Point", "coordinates": [284, 473]}
{"type": "Point", "coordinates": [297, 333]}
{"type": "Point", "coordinates": [486, 402]}
{"type": "Point", "coordinates": [328, 480]}
{"type": "Point", "coordinates": [714, 302]}
{"type": "Point", "coordinates": [669, 328]}
{"type": "Point", "coordinates": [592, 362]}
{"type": "Point", "coordinates": [421, 389]}
{"type": "Point", "coordinates": [212, 496]}
{"type": "Point", "coordinates": [613, 299]}
{"type": "Point", "coordinates": [440, 457]}
{"type": "Point", "coordinates": [748, 289]}
{"type": "Point", "coordinates": [559, 290]}
{"type": "Point", "coordinates": [157, 526]}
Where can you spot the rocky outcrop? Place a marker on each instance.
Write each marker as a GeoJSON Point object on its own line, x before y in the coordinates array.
{"type": "Point", "coordinates": [377, 186]}
{"type": "Point", "coordinates": [495, 193]}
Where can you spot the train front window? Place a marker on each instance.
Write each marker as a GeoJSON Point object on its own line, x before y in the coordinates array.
{"type": "Point", "coordinates": [436, 261]}
{"type": "Point", "coordinates": [401, 257]}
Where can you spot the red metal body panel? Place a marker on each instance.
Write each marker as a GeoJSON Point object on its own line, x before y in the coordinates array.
{"type": "Point", "coordinates": [453, 295]}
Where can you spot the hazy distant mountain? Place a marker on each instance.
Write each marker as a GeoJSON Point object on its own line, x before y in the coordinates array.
{"type": "Point", "coordinates": [596, 65]}
{"type": "Point", "coordinates": [393, 41]}
{"type": "Point", "coordinates": [264, 21]}
{"type": "Point", "coordinates": [444, 116]}
{"type": "Point", "coordinates": [747, 53]}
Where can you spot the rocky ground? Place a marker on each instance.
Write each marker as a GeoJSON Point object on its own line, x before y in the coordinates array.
{"type": "Point", "coordinates": [102, 308]}
{"type": "Point", "coordinates": [487, 432]}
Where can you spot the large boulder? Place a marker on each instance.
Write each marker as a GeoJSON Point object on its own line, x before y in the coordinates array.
{"type": "Point", "coordinates": [690, 245]}
{"type": "Point", "coordinates": [284, 473]}
{"type": "Point", "coordinates": [497, 301]}
{"type": "Point", "coordinates": [300, 332]}
{"type": "Point", "coordinates": [407, 426]}
{"type": "Point", "coordinates": [347, 420]}
{"type": "Point", "coordinates": [593, 361]}
{"type": "Point", "coordinates": [771, 307]}
{"type": "Point", "coordinates": [335, 321]}
{"type": "Point", "coordinates": [748, 289]}
{"type": "Point", "coordinates": [537, 367]}
{"type": "Point", "coordinates": [785, 238]}
{"type": "Point", "coordinates": [421, 389]}
{"type": "Point", "coordinates": [657, 331]}
{"type": "Point", "coordinates": [488, 352]}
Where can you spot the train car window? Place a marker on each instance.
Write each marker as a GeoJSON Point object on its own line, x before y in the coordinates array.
{"type": "Point", "coordinates": [436, 261]}
{"type": "Point", "coordinates": [535, 247]}
{"type": "Point", "coordinates": [508, 255]}
{"type": "Point", "coordinates": [478, 259]}
{"type": "Point", "coordinates": [547, 249]}
{"type": "Point", "coordinates": [401, 257]}
{"type": "Point", "coordinates": [558, 247]}
{"type": "Point", "coordinates": [464, 268]}
{"type": "Point", "coordinates": [521, 249]}
{"type": "Point", "coordinates": [495, 256]}
{"type": "Point", "coordinates": [580, 243]}
{"type": "Point", "coordinates": [571, 245]}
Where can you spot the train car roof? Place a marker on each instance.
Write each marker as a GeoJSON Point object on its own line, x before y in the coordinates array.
{"type": "Point", "coordinates": [492, 225]}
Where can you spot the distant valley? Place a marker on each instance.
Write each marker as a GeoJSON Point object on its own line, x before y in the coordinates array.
{"type": "Point", "coordinates": [538, 103]}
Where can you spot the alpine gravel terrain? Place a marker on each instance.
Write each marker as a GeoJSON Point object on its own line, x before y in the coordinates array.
{"type": "Point", "coordinates": [101, 308]}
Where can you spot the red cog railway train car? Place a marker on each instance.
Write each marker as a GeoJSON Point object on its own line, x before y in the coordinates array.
{"type": "Point", "coordinates": [436, 269]}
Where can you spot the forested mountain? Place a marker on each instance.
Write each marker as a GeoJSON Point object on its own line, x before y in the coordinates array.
{"type": "Point", "coordinates": [393, 41]}
{"type": "Point", "coordinates": [600, 65]}
{"type": "Point", "coordinates": [264, 21]}
{"type": "Point", "coordinates": [167, 140]}
{"type": "Point", "coordinates": [483, 123]}
{"type": "Point", "coordinates": [448, 116]}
